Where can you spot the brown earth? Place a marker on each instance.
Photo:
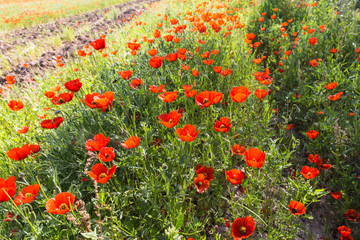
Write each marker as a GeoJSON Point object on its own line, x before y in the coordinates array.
{"type": "Point", "coordinates": [95, 19]}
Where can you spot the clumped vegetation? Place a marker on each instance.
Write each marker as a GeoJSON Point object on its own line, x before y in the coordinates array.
{"type": "Point", "coordinates": [195, 120]}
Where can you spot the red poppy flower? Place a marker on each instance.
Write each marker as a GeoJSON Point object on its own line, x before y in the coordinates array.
{"type": "Point", "coordinates": [132, 142]}
{"type": "Point", "coordinates": [156, 62]}
{"type": "Point", "coordinates": [336, 195]}
{"type": "Point", "coordinates": [217, 69]}
{"type": "Point", "coordinates": [344, 231]}
{"type": "Point", "coordinates": [98, 44]}
{"type": "Point", "coordinates": [352, 215]}
{"type": "Point", "coordinates": [61, 203]}
{"type": "Point", "coordinates": [223, 125]}
{"type": "Point", "coordinates": [170, 120]}
{"type": "Point", "coordinates": [313, 63]}
{"type": "Point", "coordinates": [333, 50]}
{"type": "Point", "coordinates": [226, 72]}
{"type": "Point", "coordinates": [312, 134]}
{"type": "Point", "coordinates": [27, 194]}
{"type": "Point", "coordinates": [101, 174]}
{"type": "Point", "coordinates": [18, 154]}
{"type": "Point", "coordinates": [255, 157]}
{"type": "Point", "coordinates": [238, 150]}
{"type": "Point", "coordinates": [15, 105]}
{"type": "Point", "coordinates": [62, 98]}
{"type": "Point", "coordinates": [242, 227]}
{"type": "Point", "coordinates": [96, 100]}
{"type": "Point", "coordinates": [322, 164]}
{"type": "Point", "coordinates": [208, 62]}
{"type": "Point", "coordinates": [10, 79]}
{"type": "Point", "coordinates": [260, 93]}
{"type": "Point", "coordinates": [156, 89]}
{"type": "Point", "coordinates": [335, 97]}
{"type": "Point", "coordinates": [134, 46]}
{"type": "Point", "coordinates": [171, 57]}
{"type": "Point", "coordinates": [98, 143]}
{"type": "Point", "coordinates": [313, 41]}
{"type": "Point", "coordinates": [168, 96]}
{"type": "Point", "coordinates": [168, 38]}
{"type": "Point", "coordinates": [22, 130]}
{"type": "Point", "coordinates": [250, 36]}
{"type": "Point", "coordinates": [312, 158]}
{"type": "Point", "coordinates": [235, 176]}
{"type": "Point", "coordinates": [190, 93]}
{"type": "Point", "coordinates": [52, 123]}
{"type": "Point", "coordinates": [297, 208]}
{"type": "Point", "coordinates": [152, 52]}
{"type": "Point", "coordinates": [207, 98]}
{"type": "Point", "coordinates": [290, 126]}
{"type": "Point", "coordinates": [201, 183]}
{"type": "Point", "coordinates": [106, 154]}
{"type": "Point", "coordinates": [239, 94]}
{"type": "Point", "coordinates": [34, 148]}
{"type": "Point", "coordinates": [309, 172]}
{"type": "Point", "coordinates": [73, 85]}
{"type": "Point", "coordinates": [49, 94]}
{"type": "Point", "coordinates": [136, 83]}
{"type": "Point", "coordinates": [188, 133]}
{"type": "Point", "coordinates": [7, 186]}
{"type": "Point", "coordinates": [125, 74]}
{"type": "Point", "coordinates": [204, 177]}
{"type": "Point", "coordinates": [331, 85]}
{"type": "Point", "coordinates": [195, 73]}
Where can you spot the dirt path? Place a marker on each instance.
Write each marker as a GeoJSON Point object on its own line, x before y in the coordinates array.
{"type": "Point", "coordinates": [96, 19]}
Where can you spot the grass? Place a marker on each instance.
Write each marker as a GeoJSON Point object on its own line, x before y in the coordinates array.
{"type": "Point", "coordinates": [152, 194]}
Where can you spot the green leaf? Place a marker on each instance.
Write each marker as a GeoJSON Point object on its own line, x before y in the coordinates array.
{"type": "Point", "coordinates": [179, 221]}
{"type": "Point", "coordinates": [90, 235]}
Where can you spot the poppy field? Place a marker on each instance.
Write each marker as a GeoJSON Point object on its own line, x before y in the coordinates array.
{"type": "Point", "coordinates": [196, 120]}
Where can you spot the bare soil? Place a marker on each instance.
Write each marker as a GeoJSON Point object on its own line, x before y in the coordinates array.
{"type": "Point", "coordinates": [96, 19]}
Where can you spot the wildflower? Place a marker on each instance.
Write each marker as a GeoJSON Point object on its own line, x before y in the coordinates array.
{"type": "Point", "coordinates": [98, 44]}
{"type": "Point", "coordinates": [136, 83]}
{"type": "Point", "coordinates": [156, 89]}
{"type": "Point", "coordinates": [133, 46]}
{"type": "Point", "coordinates": [170, 120]}
{"type": "Point", "coordinates": [61, 203]}
{"type": "Point", "coordinates": [132, 142]}
{"type": "Point", "coordinates": [242, 227]}
{"type": "Point", "coordinates": [52, 123]}
{"type": "Point", "coordinates": [101, 174]}
{"type": "Point", "coordinates": [235, 176]}
{"type": "Point", "coordinates": [331, 85]}
{"type": "Point", "coordinates": [7, 187]}
{"type": "Point", "coordinates": [223, 125]}
{"type": "Point", "coordinates": [313, 41]}
{"type": "Point", "coordinates": [98, 143]}
{"type": "Point", "coordinates": [27, 194]}
{"type": "Point", "coordinates": [156, 62]}
{"type": "Point", "coordinates": [260, 93]}
{"type": "Point", "coordinates": [352, 215]}
{"type": "Point", "coordinates": [204, 177]}
{"type": "Point", "coordinates": [309, 172]}
{"type": "Point", "coordinates": [207, 98]}
{"type": "Point", "coordinates": [125, 74]}
{"type": "Point", "coordinates": [238, 150]}
{"type": "Point", "coordinates": [96, 100]}
{"type": "Point", "coordinates": [312, 134]}
{"type": "Point", "coordinates": [335, 97]}
{"type": "Point", "coordinates": [62, 98]}
{"type": "Point", "coordinates": [15, 105]}
{"type": "Point", "coordinates": [239, 94]}
{"type": "Point", "coordinates": [336, 195]}
{"type": "Point", "coordinates": [297, 208]}
{"type": "Point", "coordinates": [22, 130]}
{"type": "Point", "coordinates": [188, 133]}
{"type": "Point", "coordinates": [168, 96]}
{"type": "Point", "coordinates": [255, 157]}
{"type": "Point", "coordinates": [106, 154]}
{"type": "Point", "coordinates": [344, 231]}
